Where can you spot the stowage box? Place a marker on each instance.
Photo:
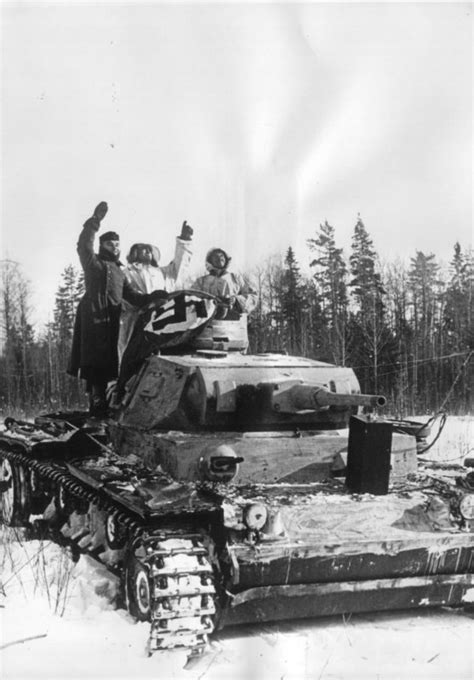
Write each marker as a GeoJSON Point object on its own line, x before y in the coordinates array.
{"type": "Point", "coordinates": [368, 455]}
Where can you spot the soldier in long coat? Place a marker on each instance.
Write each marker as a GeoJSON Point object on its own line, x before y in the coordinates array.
{"type": "Point", "coordinates": [94, 355]}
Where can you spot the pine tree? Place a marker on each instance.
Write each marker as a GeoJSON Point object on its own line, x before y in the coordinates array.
{"type": "Point", "coordinates": [265, 333]}
{"type": "Point", "coordinates": [67, 298]}
{"type": "Point", "coordinates": [426, 302]}
{"type": "Point", "coordinates": [292, 305]}
{"type": "Point", "coordinates": [18, 337]}
{"type": "Point", "coordinates": [9, 274]}
{"type": "Point", "coordinates": [458, 310]}
{"type": "Point", "coordinates": [330, 274]}
{"type": "Point", "coordinates": [68, 295]}
{"type": "Point", "coordinates": [371, 340]}
{"type": "Point", "coordinates": [398, 319]}
{"type": "Point", "coordinates": [26, 343]}
{"type": "Point", "coordinates": [366, 284]}
{"type": "Point", "coordinates": [458, 328]}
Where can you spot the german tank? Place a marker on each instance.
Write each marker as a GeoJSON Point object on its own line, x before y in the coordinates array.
{"type": "Point", "coordinates": [230, 488]}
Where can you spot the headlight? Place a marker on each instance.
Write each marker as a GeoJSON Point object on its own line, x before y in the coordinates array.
{"type": "Point", "coordinates": [466, 506]}
{"type": "Point", "coordinates": [255, 516]}
{"type": "Point", "coordinates": [219, 464]}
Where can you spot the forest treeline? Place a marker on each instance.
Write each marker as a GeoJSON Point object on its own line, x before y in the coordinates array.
{"type": "Point", "coordinates": [406, 329]}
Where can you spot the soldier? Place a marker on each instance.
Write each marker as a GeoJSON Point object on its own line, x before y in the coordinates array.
{"type": "Point", "coordinates": [94, 346]}
{"type": "Point", "coordinates": [234, 294]}
{"type": "Point", "coordinates": [145, 275]}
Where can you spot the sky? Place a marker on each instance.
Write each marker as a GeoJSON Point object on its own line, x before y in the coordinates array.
{"type": "Point", "coordinates": [254, 122]}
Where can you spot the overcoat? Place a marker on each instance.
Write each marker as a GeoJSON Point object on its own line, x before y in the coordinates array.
{"type": "Point", "coordinates": [96, 328]}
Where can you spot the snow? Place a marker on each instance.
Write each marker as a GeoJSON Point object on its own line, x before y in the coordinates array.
{"type": "Point", "coordinates": [469, 596]}
{"type": "Point", "coordinates": [456, 441]}
{"type": "Point", "coordinates": [59, 620]}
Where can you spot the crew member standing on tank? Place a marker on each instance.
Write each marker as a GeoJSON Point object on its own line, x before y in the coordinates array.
{"type": "Point", "coordinates": [94, 356]}
{"type": "Point", "coordinates": [145, 274]}
{"type": "Point", "coordinates": [235, 295]}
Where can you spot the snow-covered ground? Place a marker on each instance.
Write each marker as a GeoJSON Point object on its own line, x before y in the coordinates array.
{"type": "Point", "coordinates": [58, 620]}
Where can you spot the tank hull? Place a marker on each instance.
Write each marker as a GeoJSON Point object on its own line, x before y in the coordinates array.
{"type": "Point", "coordinates": [322, 549]}
{"type": "Point", "coordinates": [339, 553]}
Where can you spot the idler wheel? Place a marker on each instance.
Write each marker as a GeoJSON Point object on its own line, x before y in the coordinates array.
{"type": "Point", "coordinates": [15, 494]}
{"type": "Point", "coordinates": [137, 584]}
{"type": "Point", "coordinates": [115, 532]}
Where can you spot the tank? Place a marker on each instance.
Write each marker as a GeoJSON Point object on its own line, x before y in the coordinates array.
{"type": "Point", "coordinates": [229, 488]}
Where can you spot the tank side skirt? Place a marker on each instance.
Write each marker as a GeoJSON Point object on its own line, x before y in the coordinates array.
{"type": "Point", "coordinates": [272, 603]}
{"type": "Point", "coordinates": [298, 565]}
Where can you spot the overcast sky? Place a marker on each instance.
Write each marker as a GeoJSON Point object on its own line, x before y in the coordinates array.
{"type": "Point", "coordinates": [253, 122]}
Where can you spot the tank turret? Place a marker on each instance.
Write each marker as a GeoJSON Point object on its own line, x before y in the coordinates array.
{"type": "Point", "coordinates": [220, 391]}
{"type": "Point", "coordinates": [199, 408]}
{"type": "Point", "coordinates": [207, 382]}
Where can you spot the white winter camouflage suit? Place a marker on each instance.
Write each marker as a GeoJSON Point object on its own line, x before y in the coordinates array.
{"type": "Point", "coordinates": [228, 286]}
{"type": "Point", "coordinates": [146, 278]}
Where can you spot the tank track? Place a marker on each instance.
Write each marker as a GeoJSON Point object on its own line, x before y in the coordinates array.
{"type": "Point", "coordinates": [182, 592]}
{"type": "Point", "coordinates": [167, 576]}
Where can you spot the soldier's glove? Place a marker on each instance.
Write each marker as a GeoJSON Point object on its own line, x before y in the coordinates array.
{"type": "Point", "coordinates": [99, 214]}
{"type": "Point", "coordinates": [224, 304]}
{"type": "Point", "coordinates": [186, 232]}
{"type": "Point", "coordinates": [238, 306]}
{"type": "Point", "coordinates": [101, 211]}
{"type": "Point", "coordinates": [229, 302]}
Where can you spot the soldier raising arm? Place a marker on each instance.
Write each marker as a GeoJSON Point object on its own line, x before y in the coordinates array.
{"type": "Point", "coordinates": [94, 346]}
{"type": "Point", "coordinates": [145, 274]}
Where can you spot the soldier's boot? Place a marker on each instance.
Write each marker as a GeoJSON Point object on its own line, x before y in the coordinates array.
{"type": "Point", "coordinates": [98, 406]}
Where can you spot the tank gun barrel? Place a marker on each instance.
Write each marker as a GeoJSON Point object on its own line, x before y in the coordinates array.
{"type": "Point", "coordinates": [307, 396]}
{"type": "Point", "coordinates": [315, 397]}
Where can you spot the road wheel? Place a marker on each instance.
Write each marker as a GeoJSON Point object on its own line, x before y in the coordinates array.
{"type": "Point", "coordinates": [115, 532]}
{"type": "Point", "coordinates": [138, 590]}
{"type": "Point", "coordinates": [15, 494]}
